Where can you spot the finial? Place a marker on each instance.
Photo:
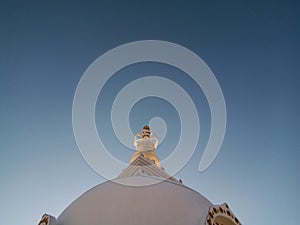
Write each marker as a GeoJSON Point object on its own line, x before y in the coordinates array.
{"type": "Point", "coordinates": [146, 143]}
{"type": "Point", "coordinates": [146, 127]}
{"type": "Point", "coordinates": [146, 132]}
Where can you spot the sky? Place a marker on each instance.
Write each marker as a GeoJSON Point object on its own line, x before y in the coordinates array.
{"type": "Point", "coordinates": [252, 47]}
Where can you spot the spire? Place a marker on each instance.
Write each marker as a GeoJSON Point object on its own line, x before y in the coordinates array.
{"type": "Point", "coordinates": [144, 161]}
{"type": "Point", "coordinates": [146, 143]}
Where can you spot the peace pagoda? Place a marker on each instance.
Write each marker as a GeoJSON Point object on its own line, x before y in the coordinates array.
{"type": "Point", "coordinates": [143, 194]}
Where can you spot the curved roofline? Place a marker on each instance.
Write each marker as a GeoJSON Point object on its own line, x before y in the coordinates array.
{"type": "Point", "coordinates": [147, 177]}
{"type": "Point", "coordinates": [132, 186]}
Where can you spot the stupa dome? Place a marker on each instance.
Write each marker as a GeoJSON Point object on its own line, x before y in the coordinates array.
{"type": "Point", "coordinates": [143, 194]}
{"type": "Point", "coordinates": [162, 203]}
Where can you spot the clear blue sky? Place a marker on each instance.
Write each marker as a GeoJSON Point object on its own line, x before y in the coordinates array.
{"type": "Point", "coordinates": [251, 46]}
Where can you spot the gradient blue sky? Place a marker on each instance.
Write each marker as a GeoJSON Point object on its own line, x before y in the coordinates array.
{"type": "Point", "coordinates": [251, 46]}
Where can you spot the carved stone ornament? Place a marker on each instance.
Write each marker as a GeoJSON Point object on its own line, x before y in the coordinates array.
{"type": "Point", "coordinates": [221, 215]}
{"type": "Point", "coordinates": [47, 220]}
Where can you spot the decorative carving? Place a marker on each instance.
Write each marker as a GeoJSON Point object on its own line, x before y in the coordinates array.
{"type": "Point", "coordinates": [45, 220]}
{"type": "Point", "coordinates": [221, 215]}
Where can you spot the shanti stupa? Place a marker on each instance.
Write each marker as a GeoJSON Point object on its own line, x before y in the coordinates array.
{"type": "Point", "coordinates": [163, 200]}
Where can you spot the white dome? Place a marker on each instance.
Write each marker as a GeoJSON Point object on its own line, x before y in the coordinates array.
{"type": "Point", "coordinates": [163, 203]}
{"type": "Point", "coordinates": [143, 194]}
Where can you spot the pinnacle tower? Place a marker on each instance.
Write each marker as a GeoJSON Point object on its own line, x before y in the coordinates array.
{"type": "Point", "coordinates": [146, 143]}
